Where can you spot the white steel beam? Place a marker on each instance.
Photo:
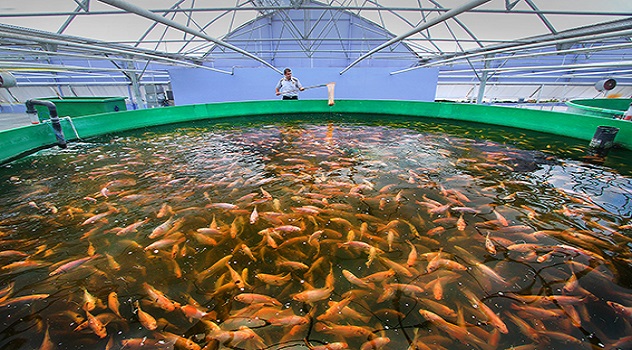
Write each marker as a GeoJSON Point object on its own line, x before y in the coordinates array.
{"type": "Point", "coordinates": [150, 15]}
{"type": "Point", "coordinates": [419, 28]}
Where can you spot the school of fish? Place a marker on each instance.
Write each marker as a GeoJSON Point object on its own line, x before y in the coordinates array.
{"type": "Point", "coordinates": [309, 236]}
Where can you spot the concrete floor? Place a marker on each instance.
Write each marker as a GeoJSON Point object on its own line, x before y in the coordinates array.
{"type": "Point", "coordinates": [13, 120]}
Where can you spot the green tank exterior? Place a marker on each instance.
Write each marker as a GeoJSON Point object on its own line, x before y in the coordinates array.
{"type": "Point", "coordinates": [600, 107]}
{"type": "Point", "coordinates": [17, 142]}
{"type": "Point", "coordinates": [80, 106]}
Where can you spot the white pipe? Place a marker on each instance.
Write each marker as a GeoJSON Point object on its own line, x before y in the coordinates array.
{"type": "Point", "coordinates": [526, 83]}
{"type": "Point", "coordinates": [68, 54]}
{"type": "Point", "coordinates": [555, 68]}
{"type": "Point", "coordinates": [97, 48]}
{"type": "Point", "coordinates": [419, 28]}
{"type": "Point", "coordinates": [28, 66]}
{"type": "Point", "coordinates": [565, 67]}
{"type": "Point", "coordinates": [558, 52]}
{"type": "Point", "coordinates": [89, 83]}
{"type": "Point", "coordinates": [155, 17]}
{"type": "Point", "coordinates": [514, 48]}
{"type": "Point", "coordinates": [551, 53]}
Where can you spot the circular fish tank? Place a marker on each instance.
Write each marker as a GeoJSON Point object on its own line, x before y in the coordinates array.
{"type": "Point", "coordinates": [296, 225]}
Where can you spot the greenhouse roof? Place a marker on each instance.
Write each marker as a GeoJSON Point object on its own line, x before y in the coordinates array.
{"type": "Point", "coordinates": [552, 41]}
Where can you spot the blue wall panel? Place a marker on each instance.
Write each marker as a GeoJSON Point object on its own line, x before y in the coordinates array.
{"type": "Point", "coordinates": [191, 86]}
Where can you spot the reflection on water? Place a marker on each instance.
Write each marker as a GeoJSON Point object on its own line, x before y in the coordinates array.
{"type": "Point", "coordinates": [316, 234]}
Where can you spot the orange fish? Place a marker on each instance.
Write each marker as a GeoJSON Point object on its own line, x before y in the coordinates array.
{"type": "Point", "coordinates": [165, 242]}
{"type": "Point", "coordinates": [621, 309]}
{"type": "Point", "coordinates": [214, 268]}
{"type": "Point", "coordinates": [331, 346]}
{"type": "Point", "coordinates": [6, 292]}
{"type": "Point", "coordinates": [226, 206]}
{"type": "Point", "coordinates": [501, 219]}
{"type": "Point", "coordinates": [489, 245]}
{"type": "Point", "coordinates": [235, 337]}
{"type": "Point", "coordinates": [438, 308]}
{"type": "Point", "coordinates": [179, 342]}
{"type": "Point", "coordinates": [97, 326]}
{"type": "Point", "coordinates": [290, 320]}
{"type": "Point", "coordinates": [97, 217]}
{"type": "Point", "coordinates": [247, 251]}
{"type": "Point", "coordinates": [204, 239]}
{"type": "Point", "coordinates": [161, 229]}
{"type": "Point", "coordinates": [375, 343]}
{"type": "Point", "coordinates": [335, 310]}
{"type": "Point", "coordinates": [412, 255]}
{"type": "Point", "coordinates": [147, 320]}
{"type": "Point", "coordinates": [437, 289]}
{"type": "Point", "coordinates": [165, 210]}
{"type": "Point", "coordinates": [47, 343]}
{"type": "Point", "coordinates": [313, 295]}
{"type": "Point", "coordinates": [72, 265]}
{"type": "Point", "coordinates": [435, 230]}
{"type": "Point", "coordinates": [236, 277]}
{"type": "Point", "coordinates": [113, 303]}
{"type": "Point", "coordinates": [345, 331]}
{"type": "Point", "coordinates": [408, 289]}
{"type": "Point", "coordinates": [253, 298]}
{"type": "Point", "coordinates": [275, 280]}
{"type": "Point", "coordinates": [379, 277]}
{"type": "Point", "coordinates": [524, 327]}
{"type": "Point", "coordinates": [571, 284]}
{"type": "Point", "coordinates": [461, 224]}
{"type": "Point", "coordinates": [112, 263]}
{"type": "Point", "coordinates": [132, 227]}
{"type": "Point", "coordinates": [458, 332]}
{"type": "Point", "coordinates": [492, 318]}
{"type": "Point", "coordinates": [23, 299]}
{"type": "Point", "coordinates": [89, 301]}
{"type": "Point", "coordinates": [193, 312]}
{"type": "Point", "coordinates": [398, 268]}
{"type": "Point", "coordinates": [254, 217]}
{"type": "Point", "coordinates": [159, 298]}
{"type": "Point", "coordinates": [357, 281]}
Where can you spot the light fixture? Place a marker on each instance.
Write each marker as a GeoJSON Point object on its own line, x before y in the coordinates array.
{"type": "Point", "coordinates": [605, 84]}
{"type": "Point", "coordinates": [7, 80]}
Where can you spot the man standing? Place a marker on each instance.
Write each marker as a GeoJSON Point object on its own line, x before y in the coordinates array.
{"type": "Point", "coordinates": [289, 86]}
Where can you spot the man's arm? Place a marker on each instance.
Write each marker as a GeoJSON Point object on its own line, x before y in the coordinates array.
{"type": "Point", "coordinates": [276, 89]}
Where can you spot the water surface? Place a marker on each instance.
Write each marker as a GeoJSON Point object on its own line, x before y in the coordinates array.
{"type": "Point", "coordinates": [354, 232]}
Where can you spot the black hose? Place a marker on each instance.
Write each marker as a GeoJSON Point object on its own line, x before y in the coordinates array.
{"type": "Point", "coordinates": [54, 119]}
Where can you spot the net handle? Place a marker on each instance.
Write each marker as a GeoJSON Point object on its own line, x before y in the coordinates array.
{"type": "Point", "coordinates": [330, 93]}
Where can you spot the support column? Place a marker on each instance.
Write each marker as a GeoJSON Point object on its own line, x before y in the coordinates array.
{"type": "Point", "coordinates": [483, 84]}
{"type": "Point", "coordinates": [481, 89]}
{"type": "Point", "coordinates": [134, 79]}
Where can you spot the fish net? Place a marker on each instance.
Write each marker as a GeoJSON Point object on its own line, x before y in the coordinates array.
{"type": "Point", "coordinates": [330, 93]}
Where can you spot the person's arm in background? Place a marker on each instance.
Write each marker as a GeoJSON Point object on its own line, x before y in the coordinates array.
{"type": "Point", "coordinates": [276, 89]}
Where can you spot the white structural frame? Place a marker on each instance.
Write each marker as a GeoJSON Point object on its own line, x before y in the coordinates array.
{"type": "Point", "coordinates": [437, 33]}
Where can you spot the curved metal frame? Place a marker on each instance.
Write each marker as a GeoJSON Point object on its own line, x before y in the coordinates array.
{"type": "Point", "coordinates": [195, 47]}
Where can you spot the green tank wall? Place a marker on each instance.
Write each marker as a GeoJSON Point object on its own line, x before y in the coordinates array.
{"type": "Point", "coordinates": [79, 106]}
{"type": "Point", "coordinates": [21, 141]}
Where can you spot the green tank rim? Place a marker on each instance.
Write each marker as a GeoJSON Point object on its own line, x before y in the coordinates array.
{"type": "Point", "coordinates": [15, 143]}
